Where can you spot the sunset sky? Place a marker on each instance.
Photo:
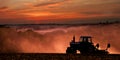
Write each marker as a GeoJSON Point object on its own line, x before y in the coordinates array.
{"type": "Point", "coordinates": [57, 11]}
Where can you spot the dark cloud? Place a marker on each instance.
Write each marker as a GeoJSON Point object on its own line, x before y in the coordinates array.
{"type": "Point", "coordinates": [50, 3]}
{"type": "Point", "coordinates": [3, 8]}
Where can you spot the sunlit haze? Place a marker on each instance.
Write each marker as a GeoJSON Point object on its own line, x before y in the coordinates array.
{"type": "Point", "coordinates": [55, 39]}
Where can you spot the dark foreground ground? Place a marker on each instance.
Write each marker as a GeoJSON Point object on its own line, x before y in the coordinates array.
{"type": "Point", "coordinates": [55, 56]}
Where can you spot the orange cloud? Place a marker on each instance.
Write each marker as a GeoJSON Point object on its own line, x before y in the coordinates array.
{"type": "Point", "coordinates": [51, 16]}
{"type": "Point", "coordinates": [57, 10]}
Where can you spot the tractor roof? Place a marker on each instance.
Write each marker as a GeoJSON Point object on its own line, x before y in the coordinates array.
{"type": "Point", "coordinates": [85, 37]}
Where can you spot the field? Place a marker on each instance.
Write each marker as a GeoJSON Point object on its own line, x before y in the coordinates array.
{"type": "Point", "coordinates": [56, 56]}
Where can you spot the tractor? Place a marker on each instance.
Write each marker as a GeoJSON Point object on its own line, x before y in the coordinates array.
{"type": "Point", "coordinates": [85, 46]}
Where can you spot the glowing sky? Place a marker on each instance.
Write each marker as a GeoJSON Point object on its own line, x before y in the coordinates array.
{"type": "Point", "coordinates": [46, 11]}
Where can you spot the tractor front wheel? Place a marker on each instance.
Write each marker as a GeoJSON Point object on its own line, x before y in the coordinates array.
{"type": "Point", "coordinates": [71, 50]}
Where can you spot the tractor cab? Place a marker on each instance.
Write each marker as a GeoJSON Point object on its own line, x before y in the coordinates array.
{"type": "Point", "coordinates": [86, 39]}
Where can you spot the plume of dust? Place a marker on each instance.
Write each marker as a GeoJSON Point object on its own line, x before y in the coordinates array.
{"type": "Point", "coordinates": [57, 39]}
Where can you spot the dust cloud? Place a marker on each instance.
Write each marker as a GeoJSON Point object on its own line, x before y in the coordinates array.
{"type": "Point", "coordinates": [56, 40]}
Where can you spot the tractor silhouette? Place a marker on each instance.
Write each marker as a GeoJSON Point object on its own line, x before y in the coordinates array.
{"type": "Point", "coordinates": [85, 46]}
